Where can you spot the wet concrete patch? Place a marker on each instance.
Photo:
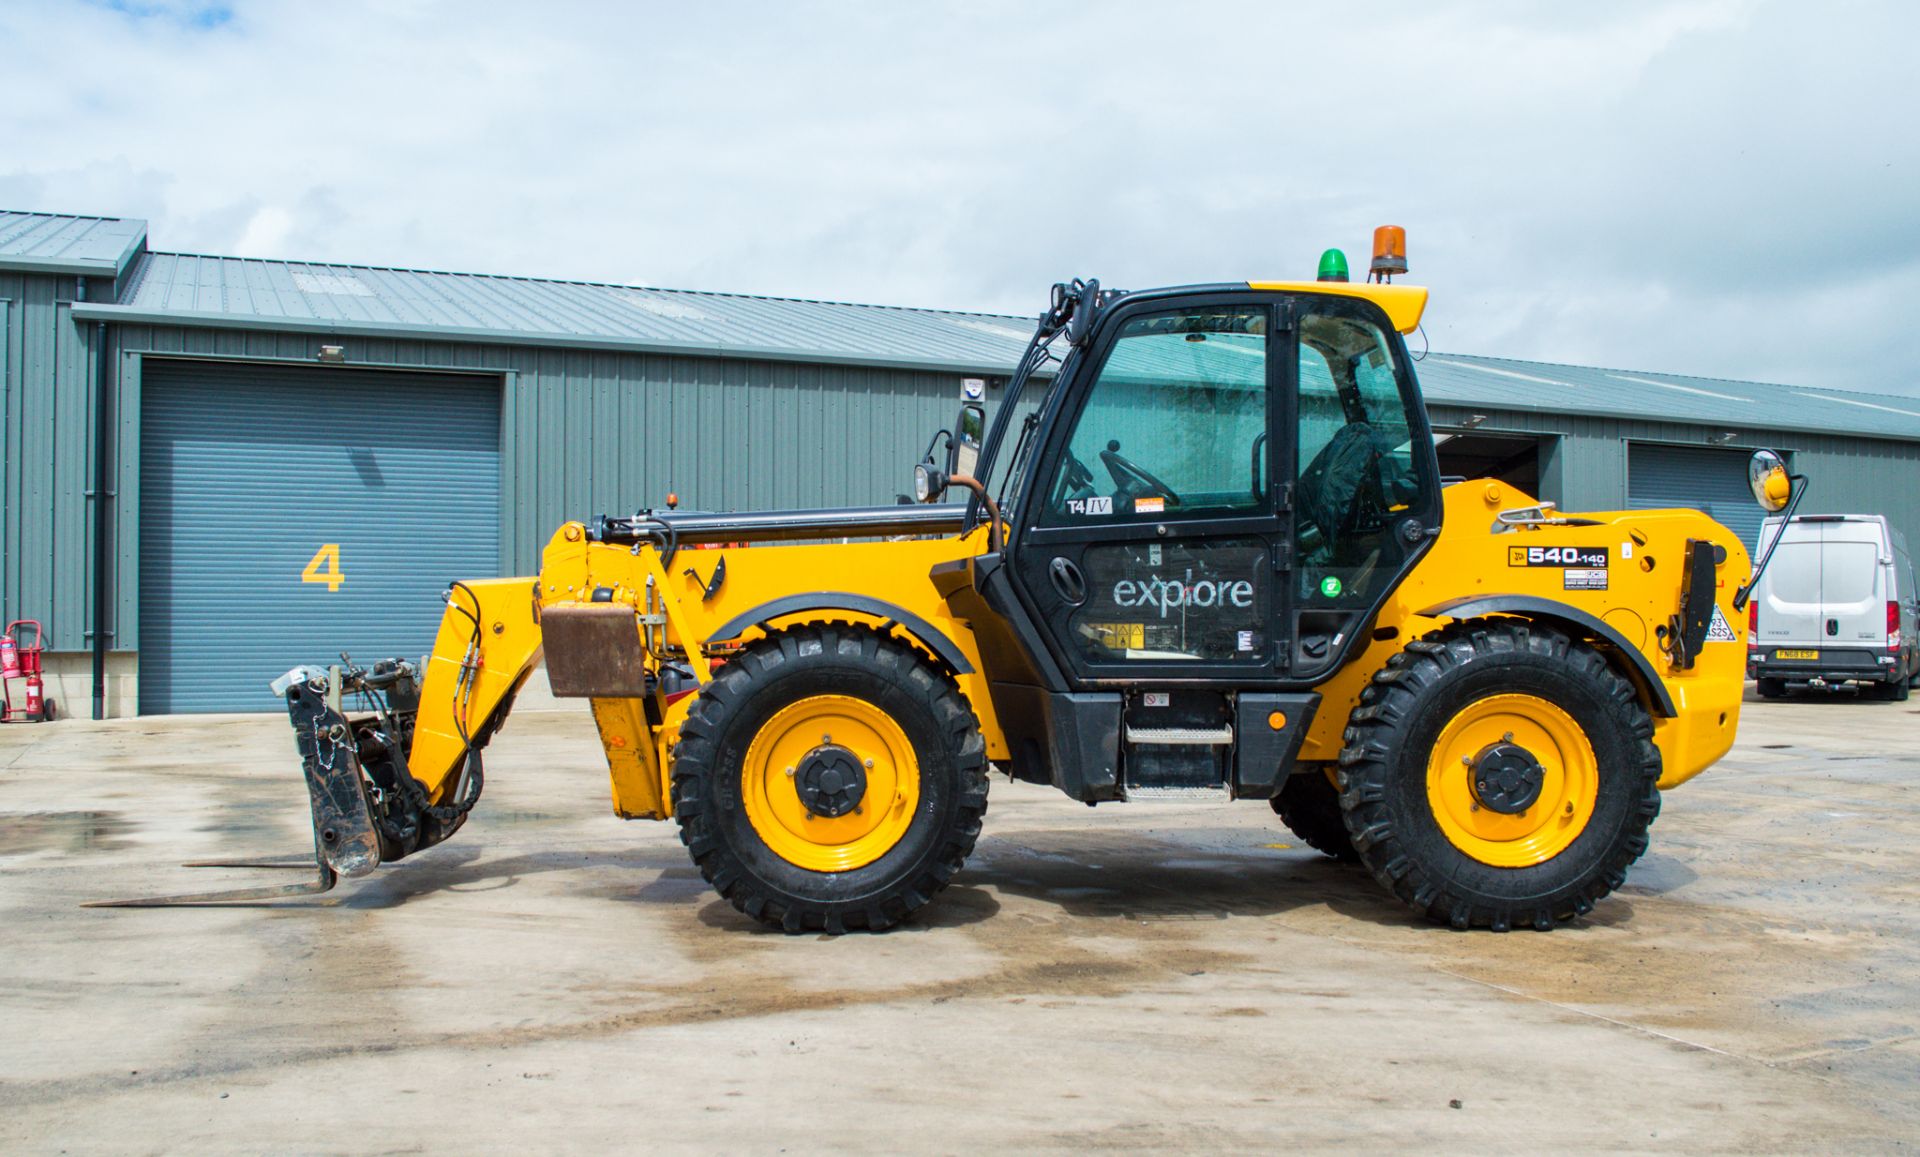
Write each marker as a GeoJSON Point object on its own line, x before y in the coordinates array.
{"type": "Point", "coordinates": [70, 833]}
{"type": "Point", "coordinates": [1174, 971]}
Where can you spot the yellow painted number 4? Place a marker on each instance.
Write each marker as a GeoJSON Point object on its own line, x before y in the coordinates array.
{"type": "Point", "coordinates": [324, 567]}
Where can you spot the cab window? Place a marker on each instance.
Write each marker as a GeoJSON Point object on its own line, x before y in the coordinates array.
{"type": "Point", "coordinates": [1174, 425]}
{"type": "Point", "coordinates": [1358, 477]}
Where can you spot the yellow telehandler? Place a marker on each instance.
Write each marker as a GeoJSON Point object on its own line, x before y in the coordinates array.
{"type": "Point", "coordinates": [1212, 558]}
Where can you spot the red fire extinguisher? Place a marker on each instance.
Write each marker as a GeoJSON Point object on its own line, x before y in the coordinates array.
{"type": "Point", "coordinates": [36, 697]}
{"type": "Point", "coordinates": [17, 661]}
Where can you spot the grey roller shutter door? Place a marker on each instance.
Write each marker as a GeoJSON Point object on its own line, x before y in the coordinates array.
{"type": "Point", "coordinates": [248, 471]}
{"type": "Point", "coordinates": [1713, 481]}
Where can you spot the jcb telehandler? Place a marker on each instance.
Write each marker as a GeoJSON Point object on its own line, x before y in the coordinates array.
{"type": "Point", "coordinates": [1214, 558]}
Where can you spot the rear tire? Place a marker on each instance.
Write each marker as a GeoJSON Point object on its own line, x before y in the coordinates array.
{"type": "Point", "coordinates": [1309, 805]}
{"type": "Point", "coordinates": [1770, 688]}
{"type": "Point", "coordinates": [1895, 690]}
{"type": "Point", "coordinates": [777, 858]}
{"type": "Point", "coordinates": [1405, 793]}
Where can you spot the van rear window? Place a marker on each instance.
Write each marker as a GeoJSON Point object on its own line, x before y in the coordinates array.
{"type": "Point", "coordinates": [1794, 574]}
{"type": "Point", "coordinates": [1851, 571]}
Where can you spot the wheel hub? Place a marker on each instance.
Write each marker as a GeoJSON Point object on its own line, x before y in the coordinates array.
{"type": "Point", "coordinates": [831, 780]}
{"type": "Point", "coordinates": [1506, 778]}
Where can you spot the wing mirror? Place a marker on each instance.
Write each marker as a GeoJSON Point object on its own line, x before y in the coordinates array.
{"type": "Point", "coordinates": [1086, 304]}
{"type": "Point", "coordinates": [963, 455]}
{"type": "Point", "coordinates": [1772, 486]}
{"type": "Point", "coordinates": [1775, 490]}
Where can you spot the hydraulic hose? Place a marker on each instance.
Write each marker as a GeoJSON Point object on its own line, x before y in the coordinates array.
{"type": "Point", "coordinates": [993, 508]}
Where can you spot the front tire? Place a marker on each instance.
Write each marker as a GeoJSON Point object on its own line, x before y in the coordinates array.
{"type": "Point", "coordinates": [1309, 805]}
{"type": "Point", "coordinates": [1498, 773]}
{"type": "Point", "coordinates": [1770, 687]}
{"type": "Point", "coordinates": [807, 832]}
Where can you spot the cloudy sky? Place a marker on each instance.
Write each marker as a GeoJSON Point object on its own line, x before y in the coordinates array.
{"type": "Point", "coordinates": [1723, 187]}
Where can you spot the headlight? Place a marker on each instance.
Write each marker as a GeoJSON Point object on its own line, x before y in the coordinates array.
{"type": "Point", "coordinates": [922, 483]}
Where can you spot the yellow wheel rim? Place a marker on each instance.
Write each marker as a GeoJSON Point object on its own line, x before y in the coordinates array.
{"type": "Point", "coordinates": [770, 788]}
{"type": "Point", "coordinates": [1569, 781]}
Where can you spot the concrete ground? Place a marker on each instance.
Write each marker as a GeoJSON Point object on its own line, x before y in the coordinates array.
{"type": "Point", "coordinates": [1128, 977]}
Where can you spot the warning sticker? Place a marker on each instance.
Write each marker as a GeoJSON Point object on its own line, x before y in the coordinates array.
{"type": "Point", "coordinates": [1718, 631]}
{"type": "Point", "coordinates": [1586, 578]}
{"type": "Point", "coordinates": [1582, 556]}
{"type": "Point", "coordinates": [1154, 505]}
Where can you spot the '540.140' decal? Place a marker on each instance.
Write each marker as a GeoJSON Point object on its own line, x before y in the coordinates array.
{"type": "Point", "coordinates": [1581, 556]}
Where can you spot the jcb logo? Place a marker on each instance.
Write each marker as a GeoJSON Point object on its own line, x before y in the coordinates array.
{"type": "Point", "coordinates": [1581, 556]}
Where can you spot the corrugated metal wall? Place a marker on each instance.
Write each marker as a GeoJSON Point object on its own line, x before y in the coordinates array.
{"type": "Point", "coordinates": [1848, 475]}
{"type": "Point", "coordinates": [590, 432]}
{"type": "Point", "coordinates": [46, 460]}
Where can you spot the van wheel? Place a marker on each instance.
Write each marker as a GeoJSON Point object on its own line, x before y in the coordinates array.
{"type": "Point", "coordinates": [828, 779]}
{"type": "Point", "coordinates": [1497, 773]}
{"type": "Point", "coordinates": [1309, 805]}
{"type": "Point", "coordinates": [1770, 688]}
{"type": "Point", "coordinates": [1895, 690]}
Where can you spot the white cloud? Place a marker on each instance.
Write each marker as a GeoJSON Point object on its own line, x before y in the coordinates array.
{"type": "Point", "coordinates": [1722, 187]}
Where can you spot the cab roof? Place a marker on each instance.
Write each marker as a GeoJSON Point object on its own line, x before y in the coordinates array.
{"type": "Point", "coordinates": [1403, 304]}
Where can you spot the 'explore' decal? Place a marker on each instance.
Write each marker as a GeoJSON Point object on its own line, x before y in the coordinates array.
{"type": "Point", "coordinates": [1166, 594]}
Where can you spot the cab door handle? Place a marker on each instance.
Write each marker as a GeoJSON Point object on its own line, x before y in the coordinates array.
{"type": "Point", "coordinates": [1067, 580]}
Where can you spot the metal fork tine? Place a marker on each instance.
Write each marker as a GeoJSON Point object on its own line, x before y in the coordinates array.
{"type": "Point", "coordinates": [304, 862]}
{"type": "Point", "coordinates": [323, 881]}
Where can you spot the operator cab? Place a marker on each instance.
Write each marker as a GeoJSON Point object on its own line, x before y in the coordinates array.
{"type": "Point", "coordinates": [1149, 528]}
{"type": "Point", "coordinates": [1205, 512]}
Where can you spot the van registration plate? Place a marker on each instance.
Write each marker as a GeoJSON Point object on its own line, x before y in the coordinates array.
{"type": "Point", "coordinates": [1796, 654]}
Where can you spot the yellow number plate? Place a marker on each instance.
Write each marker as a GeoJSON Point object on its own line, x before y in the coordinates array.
{"type": "Point", "coordinates": [1796, 654]}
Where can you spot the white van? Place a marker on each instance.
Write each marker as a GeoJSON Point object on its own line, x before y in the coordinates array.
{"type": "Point", "coordinates": [1837, 603]}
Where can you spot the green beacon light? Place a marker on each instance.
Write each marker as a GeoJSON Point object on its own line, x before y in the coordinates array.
{"type": "Point", "coordinates": [1333, 266]}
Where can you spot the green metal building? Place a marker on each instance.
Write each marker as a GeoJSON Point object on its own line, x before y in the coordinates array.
{"type": "Point", "coordinates": [214, 466]}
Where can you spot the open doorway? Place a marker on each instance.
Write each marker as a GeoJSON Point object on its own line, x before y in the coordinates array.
{"type": "Point", "coordinates": [1511, 458]}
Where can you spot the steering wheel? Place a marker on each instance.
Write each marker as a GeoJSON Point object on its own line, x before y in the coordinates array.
{"type": "Point", "coordinates": [1075, 481]}
{"type": "Point", "coordinates": [1133, 480]}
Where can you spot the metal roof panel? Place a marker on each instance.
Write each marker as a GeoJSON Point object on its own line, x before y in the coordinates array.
{"type": "Point", "coordinates": [249, 293]}
{"type": "Point", "coordinates": [66, 244]}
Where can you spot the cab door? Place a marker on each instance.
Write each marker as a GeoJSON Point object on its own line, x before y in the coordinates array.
{"type": "Point", "coordinates": [1227, 491]}
{"type": "Point", "coordinates": [1149, 543]}
{"type": "Point", "coordinates": [1365, 489]}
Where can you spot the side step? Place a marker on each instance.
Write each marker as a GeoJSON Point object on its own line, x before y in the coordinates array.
{"type": "Point", "coordinates": [1181, 736]}
{"type": "Point", "coordinates": [1177, 747]}
{"type": "Point", "coordinates": [1215, 793]}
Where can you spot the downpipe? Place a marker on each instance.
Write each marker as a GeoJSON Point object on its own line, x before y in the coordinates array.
{"type": "Point", "coordinates": [102, 497]}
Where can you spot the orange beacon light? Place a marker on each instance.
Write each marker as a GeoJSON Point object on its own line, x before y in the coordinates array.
{"type": "Point", "coordinates": [1389, 253]}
